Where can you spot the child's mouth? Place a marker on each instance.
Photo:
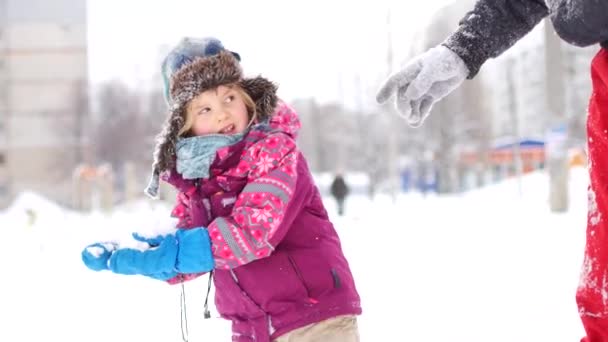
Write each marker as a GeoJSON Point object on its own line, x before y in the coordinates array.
{"type": "Point", "coordinates": [228, 129]}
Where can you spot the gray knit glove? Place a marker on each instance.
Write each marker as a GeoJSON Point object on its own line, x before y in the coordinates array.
{"type": "Point", "coordinates": [422, 82]}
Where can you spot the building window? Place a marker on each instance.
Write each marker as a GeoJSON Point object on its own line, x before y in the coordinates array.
{"type": "Point", "coordinates": [2, 159]}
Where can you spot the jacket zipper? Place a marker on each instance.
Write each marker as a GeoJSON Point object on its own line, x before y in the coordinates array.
{"type": "Point", "coordinates": [246, 295]}
{"type": "Point", "coordinates": [301, 278]}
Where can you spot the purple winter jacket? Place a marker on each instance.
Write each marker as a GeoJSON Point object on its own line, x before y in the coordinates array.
{"type": "Point", "coordinates": [279, 262]}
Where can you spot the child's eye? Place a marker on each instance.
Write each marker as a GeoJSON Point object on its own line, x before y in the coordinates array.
{"type": "Point", "coordinates": [205, 110]}
{"type": "Point", "coordinates": [229, 99]}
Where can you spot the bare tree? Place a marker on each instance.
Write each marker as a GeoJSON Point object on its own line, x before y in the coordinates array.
{"type": "Point", "coordinates": [120, 134]}
{"type": "Point", "coordinates": [458, 121]}
{"type": "Point", "coordinates": [334, 138]}
{"type": "Point", "coordinates": [370, 153]}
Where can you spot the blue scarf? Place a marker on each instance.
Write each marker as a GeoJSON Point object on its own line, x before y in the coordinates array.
{"type": "Point", "coordinates": [195, 154]}
{"type": "Point", "coordinates": [194, 157]}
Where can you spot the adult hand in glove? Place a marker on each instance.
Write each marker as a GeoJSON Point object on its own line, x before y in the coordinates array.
{"type": "Point", "coordinates": [186, 251]}
{"type": "Point", "coordinates": [422, 82]}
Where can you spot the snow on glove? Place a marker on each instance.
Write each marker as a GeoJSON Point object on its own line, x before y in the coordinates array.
{"type": "Point", "coordinates": [153, 243]}
{"type": "Point", "coordinates": [186, 251]}
{"type": "Point", "coordinates": [422, 82]}
{"type": "Point", "coordinates": [96, 256]}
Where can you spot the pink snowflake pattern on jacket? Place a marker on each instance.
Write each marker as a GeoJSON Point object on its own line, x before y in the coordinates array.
{"type": "Point", "coordinates": [268, 164]}
{"type": "Point", "coordinates": [279, 264]}
{"type": "Point", "coordinates": [270, 167]}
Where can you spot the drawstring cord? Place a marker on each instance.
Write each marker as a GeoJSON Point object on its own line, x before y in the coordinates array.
{"type": "Point", "coordinates": [184, 311]}
{"type": "Point", "coordinates": [207, 313]}
{"type": "Point", "coordinates": [184, 315]}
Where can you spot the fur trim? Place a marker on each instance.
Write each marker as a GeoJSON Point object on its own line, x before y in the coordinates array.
{"type": "Point", "coordinates": [204, 74]}
{"type": "Point", "coordinates": [263, 93]}
{"type": "Point", "coordinates": [201, 75]}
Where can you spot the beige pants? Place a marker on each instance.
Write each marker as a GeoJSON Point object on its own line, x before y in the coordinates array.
{"type": "Point", "coordinates": [337, 329]}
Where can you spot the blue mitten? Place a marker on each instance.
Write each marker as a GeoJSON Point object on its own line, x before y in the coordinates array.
{"type": "Point", "coordinates": [96, 256]}
{"type": "Point", "coordinates": [188, 251]}
{"type": "Point", "coordinates": [153, 242]}
{"type": "Point", "coordinates": [194, 253]}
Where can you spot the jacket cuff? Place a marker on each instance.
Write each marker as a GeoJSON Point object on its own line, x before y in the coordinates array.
{"type": "Point", "coordinates": [473, 61]}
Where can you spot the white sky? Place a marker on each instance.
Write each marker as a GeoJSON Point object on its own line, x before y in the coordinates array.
{"type": "Point", "coordinates": [305, 46]}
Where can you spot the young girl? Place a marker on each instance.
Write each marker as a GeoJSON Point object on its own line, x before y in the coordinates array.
{"type": "Point", "coordinates": [248, 208]}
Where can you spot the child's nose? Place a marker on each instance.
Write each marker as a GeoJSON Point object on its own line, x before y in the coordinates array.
{"type": "Point", "coordinates": [223, 115]}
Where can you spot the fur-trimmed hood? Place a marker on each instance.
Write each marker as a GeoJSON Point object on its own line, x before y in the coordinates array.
{"type": "Point", "coordinates": [284, 120]}
{"type": "Point", "coordinates": [191, 68]}
{"type": "Point", "coordinates": [211, 72]}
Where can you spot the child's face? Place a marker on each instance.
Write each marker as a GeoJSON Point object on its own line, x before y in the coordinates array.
{"type": "Point", "coordinates": [218, 111]}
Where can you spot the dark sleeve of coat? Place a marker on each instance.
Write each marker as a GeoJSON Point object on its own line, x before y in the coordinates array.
{"type": "Point", "coordinates": [581, 22]}
{"type": "Point", "coordinates": [492, 27]}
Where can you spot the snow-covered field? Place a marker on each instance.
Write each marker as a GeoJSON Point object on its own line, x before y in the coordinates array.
{"type": "Point", "coordinates": [488, 265]}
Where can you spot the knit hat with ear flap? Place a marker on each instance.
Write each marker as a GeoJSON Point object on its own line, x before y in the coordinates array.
{"type": "Point", "coordinates": [192, 67]}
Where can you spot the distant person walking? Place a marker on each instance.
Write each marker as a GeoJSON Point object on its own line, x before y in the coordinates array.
{"type": "Point", "coordinates": [339, 189]}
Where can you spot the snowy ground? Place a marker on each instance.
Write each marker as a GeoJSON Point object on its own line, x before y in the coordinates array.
{"type": "Point", "coordinates": [483, 266]}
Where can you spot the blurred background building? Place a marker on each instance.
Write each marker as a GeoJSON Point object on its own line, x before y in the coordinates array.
{"type": "Point", "coordinates": [43, 96]}
{"type": "Point", "coordinates": [505, 113]}
{"type": "Point", "coordinates": [60, 132]}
